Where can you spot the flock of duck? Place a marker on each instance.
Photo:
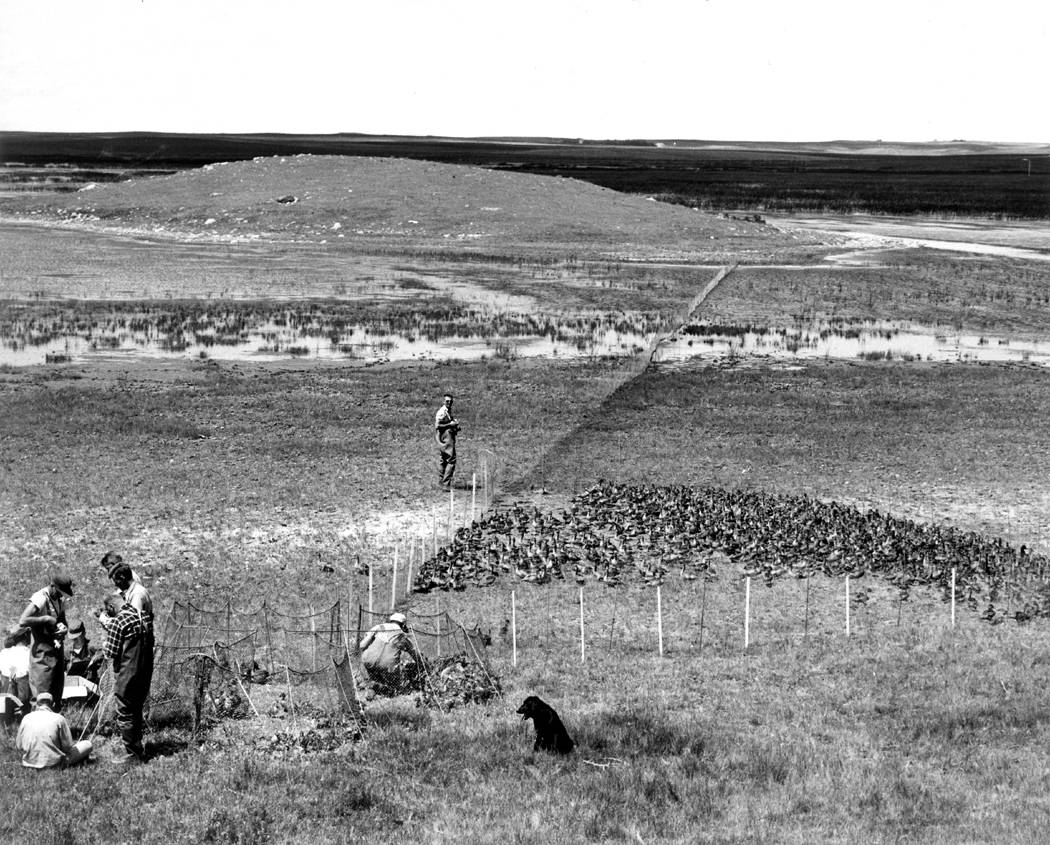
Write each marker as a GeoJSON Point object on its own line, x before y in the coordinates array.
{"type": "Point", "coordinates": [618, 533]}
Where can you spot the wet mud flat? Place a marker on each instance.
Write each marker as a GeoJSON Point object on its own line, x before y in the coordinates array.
{"type": "Point", "coordinates": [74, 296]}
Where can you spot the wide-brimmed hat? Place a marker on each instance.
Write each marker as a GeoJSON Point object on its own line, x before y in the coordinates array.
{"type": "Point", "coordinates": [399, 618]}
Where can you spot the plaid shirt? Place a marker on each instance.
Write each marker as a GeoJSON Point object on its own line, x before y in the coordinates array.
{"type": "Point", "coordinates": [126, 626]}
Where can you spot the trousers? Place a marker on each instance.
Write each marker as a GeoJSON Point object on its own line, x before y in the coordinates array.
{"type": "Point", "coordinates": [134, 675]}
{"type": "Point", "coordinates": [447, 445]}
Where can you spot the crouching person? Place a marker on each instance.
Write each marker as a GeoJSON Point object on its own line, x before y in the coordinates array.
{"type": "Point", "coordinates": [129, 645]}
{"type": "Point", "coordinates": [389, 658]}
{"type": "Point", "coordinates": [45, 740]}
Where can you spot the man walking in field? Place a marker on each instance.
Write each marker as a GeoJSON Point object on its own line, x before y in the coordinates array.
{"type": "Point", "coordinates": [45, 616]}
{"type": "Point", "coordinates": [446, 427]}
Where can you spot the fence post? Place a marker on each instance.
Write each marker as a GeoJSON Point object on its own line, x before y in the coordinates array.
{"type": "Point", "coordinates": [953, 598]}
{"type": "Point", "coordinates": [393, 583]}
{"type": "Point", "coordinates": [408, 577]}
{"type": "Point", "coordinates": [847, 607]}
{"type": "Point", "coordinates": [747, 613]}
{"type": "Point", "coordinates": [703, 609]}
{"type": "Point", "coordinates": [805, 629]}
{"type": "Point", "coordinates": [583, 643]}
{"type": "Point", "coordinates": [349, 602]}
{"type": "Point", "coordinates": [659, 621]}
{"type": "Point", "coordinates": [473, 495]}
{"type": "Point", "coordinates": [513, 630]}
{"type": "Point", "coordinates": [437, 621]}
{"type": "Point", "coordinates": [371, 592]}
{"type": "Point", "coordinates": [313, 636]}
{"type": "Point", "coordinates": [451, 514]}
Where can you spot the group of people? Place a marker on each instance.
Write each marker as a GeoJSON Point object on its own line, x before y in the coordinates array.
{"type": "Point", "coordinates": [43, 655]}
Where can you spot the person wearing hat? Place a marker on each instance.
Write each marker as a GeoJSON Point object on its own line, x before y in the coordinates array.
{"type": "Point", "coordinates": [45, 616]}
{"type": "Point", "coordinates": [389, 659]}
{"type": "Point", "coordinates": [83, 660]}
{"type": "Point", "coordinates": [45, 740]}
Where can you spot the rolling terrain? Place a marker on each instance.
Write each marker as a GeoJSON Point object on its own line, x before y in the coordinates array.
{"type": "Point", "coordinates": [250, 480]}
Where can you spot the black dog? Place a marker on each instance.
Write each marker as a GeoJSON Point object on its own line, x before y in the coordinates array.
{"type": "Point", "coordinates": [550, 732]}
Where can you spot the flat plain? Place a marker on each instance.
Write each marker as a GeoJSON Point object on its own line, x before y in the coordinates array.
{"type": "Point", "coordinates": [272, 478]}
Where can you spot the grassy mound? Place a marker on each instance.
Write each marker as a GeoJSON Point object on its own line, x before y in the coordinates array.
{"type": "Point", "coordinates": [340, 199]}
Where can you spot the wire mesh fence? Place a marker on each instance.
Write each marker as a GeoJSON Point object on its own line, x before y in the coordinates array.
{"type": "Point", "coordinates": [208, 658]}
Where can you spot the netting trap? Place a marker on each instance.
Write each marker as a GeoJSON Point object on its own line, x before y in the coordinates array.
{"type": "Point", "coordinates": [453, 668]}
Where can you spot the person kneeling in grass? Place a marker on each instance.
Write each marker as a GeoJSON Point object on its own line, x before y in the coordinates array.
{"type": "Point", "coordinates": [45, 740]}
{"type": "Point", "coordinates": [389, 658]}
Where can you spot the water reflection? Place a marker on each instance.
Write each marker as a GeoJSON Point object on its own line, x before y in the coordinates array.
{"type": "Point", "coordinates": [331, 330]}
{"type": "Point", "coordinates": [868, 340]}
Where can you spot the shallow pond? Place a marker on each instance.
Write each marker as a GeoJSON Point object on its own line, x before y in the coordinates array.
{"type": "Point", "coordinates": [331, 331]}
{"type": "Point", "coordinates": [869, 340]}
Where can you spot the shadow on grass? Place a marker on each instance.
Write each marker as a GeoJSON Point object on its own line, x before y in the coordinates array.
{"type": "Point", "coordinates": [633, 733]}
{"type": "Point", "coordinates": [166, 746]}
{"type": "Point", "coordinates": [978, 722]}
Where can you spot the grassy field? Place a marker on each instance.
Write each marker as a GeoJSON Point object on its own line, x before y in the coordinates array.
{"type": "Point", "coordinates": [246, 482]}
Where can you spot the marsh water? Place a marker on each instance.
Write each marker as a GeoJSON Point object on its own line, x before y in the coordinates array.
{"type": "Point", "coordinates": [867, 340]}
{"type": "Point", "coordinates": [305, 330]}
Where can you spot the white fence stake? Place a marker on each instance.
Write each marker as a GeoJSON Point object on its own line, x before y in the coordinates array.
{"type": "Point", "coordinates": [370, 594]}
{"type": "Point", "coordinates": [437, 618]}
{"type": "Point", "coordinates": [847, 607]}
{"type": "Point", "coordinates": [349, 601]}
{"type": "Point", "coordinates": [393, 583]}
{"type": "Point", "coordinates": [747, 613]}
{"type": "Point", "coordinates": [953, 597]}
{"type": "Point", "coordinates": [583, 644]}
{"type": "Point", "coordinates": [451, 514]}
{"type": "Point", "coordinates": [473, 495]}
{"type": "Point", "coordinates": [513, 630]}
{"type": "Point", "coordinates": [659, 621]}
{"type": "Point", "coordinates": [408, 577]}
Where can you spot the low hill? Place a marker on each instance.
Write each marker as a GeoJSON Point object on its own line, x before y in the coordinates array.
{"type": "Point", "coordinates": [343, 200]}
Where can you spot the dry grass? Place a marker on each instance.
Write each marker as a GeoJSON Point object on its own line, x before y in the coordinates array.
{"type": "Point", "coordinates": [996, 296]}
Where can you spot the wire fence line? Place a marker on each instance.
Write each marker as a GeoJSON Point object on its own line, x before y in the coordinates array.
{"type": "Point", "coordinates": [696, 619]}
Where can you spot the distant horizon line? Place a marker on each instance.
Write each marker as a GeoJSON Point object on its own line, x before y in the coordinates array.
{"type": "Point", "coordinates": [571, 139]}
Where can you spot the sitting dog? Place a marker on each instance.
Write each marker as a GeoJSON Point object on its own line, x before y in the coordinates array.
{"type": "Point", "coordinates": [550, 732]}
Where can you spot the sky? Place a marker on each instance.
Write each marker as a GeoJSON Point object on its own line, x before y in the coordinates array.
{"type": "Point", "coordinates": [757, 70]}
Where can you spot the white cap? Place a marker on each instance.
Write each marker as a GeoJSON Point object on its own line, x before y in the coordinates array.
{"type": "Point", "coordinates": [399, 618]}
